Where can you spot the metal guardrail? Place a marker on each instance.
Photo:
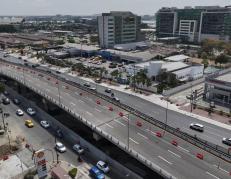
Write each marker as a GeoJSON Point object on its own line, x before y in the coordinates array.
{"type": "Point", "coordinates": [205, 145]}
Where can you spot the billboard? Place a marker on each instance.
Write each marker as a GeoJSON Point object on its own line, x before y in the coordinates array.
{"type": "Point", "coordinates": [40, 161]}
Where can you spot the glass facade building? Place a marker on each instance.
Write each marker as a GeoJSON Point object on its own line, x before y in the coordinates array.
{"type": "Point", "coordinates": [195, 24]}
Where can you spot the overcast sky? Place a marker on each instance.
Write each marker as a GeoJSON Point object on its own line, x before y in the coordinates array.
{"type": "Point", "coordinates": [89, 7]}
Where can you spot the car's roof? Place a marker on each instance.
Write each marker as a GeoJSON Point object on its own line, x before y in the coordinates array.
{"type": "Point", "coordinates": [59, 143]}
{"type": "Point", "coordinates": [101, 162]}
{"type": "Point", "coordinates": [77, 145]}
{"type": "Point", "coordinates": [95, 169]}
{"type": "Point", "coordinates": [196, 124]}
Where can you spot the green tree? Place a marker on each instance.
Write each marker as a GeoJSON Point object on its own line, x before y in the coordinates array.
{"type": "Point", "coordinates": [115, 73]}
{"type": "Point", "coordinates": [205, 62]}
{"type": "Point", "coordinates": [221, 59]}
{"type": "Point", "coordinates": [2, 88]}
{"type": "Point", "coordinates": [71, 40]}
{"type": "Point", "coordinates": [93, 39]}
{"type": "Point", "coordinates": [73, 172]}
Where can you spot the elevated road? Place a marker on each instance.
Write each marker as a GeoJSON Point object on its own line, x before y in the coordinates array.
{"type": "Point", "coordinates": [142, 139]}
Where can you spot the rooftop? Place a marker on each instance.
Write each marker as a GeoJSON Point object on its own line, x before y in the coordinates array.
{"type": "Point", "coordinates": [144, 55]}
{"type": "Point", "coordinates": [169, 66]}
{"type": "Point", "coordinates": [225, 77]}
{"type": "Point", "coordinates": [83, 47]}
{"type": "Point", "coordinates": [177, 58]}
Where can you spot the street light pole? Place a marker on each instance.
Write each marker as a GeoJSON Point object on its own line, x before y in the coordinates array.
{"type": "Point", "coordinates": [166, 117]}
{"type": "Point", "coordinates": [59, 92]}
{"type": "Point", "coordinates": [3, 119]}
{"type": "Point", "coordinates": [128, 132]}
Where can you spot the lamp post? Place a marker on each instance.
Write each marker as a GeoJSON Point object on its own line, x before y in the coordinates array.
{"type": "Point", "coordinates": [166, 117]}
{"type": "Point", "coordinates": [3, 119]}
{"type": "Point", "coordinates": [59, 91]}
{"type": "Point", "coordinates": [128, 132]}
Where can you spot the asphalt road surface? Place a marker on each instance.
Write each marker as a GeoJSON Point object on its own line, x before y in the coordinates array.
{"type": "Point", "coordinates": [142, 139]}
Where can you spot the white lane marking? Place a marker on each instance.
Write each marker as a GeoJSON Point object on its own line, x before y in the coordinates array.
{"type": "Point", "coordinates": [81, 101]}
{"type": "Point", "coordinates": [150, 131]}
{"type": "Point", "coordinates": [97, 110]}
{"type": "Point", "coordinates": [110, 126]}
{"type": "Point", "coordinates": [214, 134]}
{"type": "Point", "coordinates": [120, 122]}
{"type": "Point", "coordinates": [89, 113]}
{"type": "Point", "coordinates": [73, 104]}
{"type": "Point", "coordinates": [221, 168]}
{"type": "Point", "coordinates": [48, 90]}
{"type": "Point", "coordinates": [162, 158]}
{"type": "Point", "coordinates": [142, 135]}
{"type": "Point", "coordinates": [212, 175]}
{"type": "Point", "coordinates": [105, 107]}
{"type": "Point", "coordinates": [77, 93]}
{"type": "Point", "coordinates": [133, 140]}
{"type": "Point", "coordinates": [174, 154]}
{"type": "Point", "coordinates": [125, 117]}
{"type": "Point", "coordinates": [183, 149]}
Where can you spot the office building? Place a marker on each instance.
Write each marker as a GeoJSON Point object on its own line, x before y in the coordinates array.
{"type": "Point", "coordinates": [218, 88]}
{"type": "Point", "coordinates": [118, 28]}
{"type": "Point", "coordinates": [195, 24]}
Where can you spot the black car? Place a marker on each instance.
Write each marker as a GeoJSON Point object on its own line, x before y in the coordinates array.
{"type": "Point", "coordinates": [5, 93]}
{"type": "Point", "coordinates": [35, 65]}
{"type": "Point", "coordinates": [87, 85]}
{"type": "Point", "coordinates": [5, 101]}
{"type": "Point", "coordinates": [227, 141]}
{"type": "Point", "coordinates": [59, 133]}
{"type": "Point", "coordinates": [16, 101]}
{"type": "Point", "coordinates": [108, 90]}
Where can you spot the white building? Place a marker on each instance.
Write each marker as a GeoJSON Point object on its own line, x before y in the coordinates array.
{"type": "Point", "coordinates": [183, 71]}
{"type": "Point", "coordinates": [178, 58]}
{"type": "Point", "coordinates": [118, 28]}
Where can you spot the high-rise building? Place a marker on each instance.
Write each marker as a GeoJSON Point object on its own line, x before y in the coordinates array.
{"type": "Point", "coordinates": [195, 24]}
{"type": "Point", "coordinates": [118, 28]}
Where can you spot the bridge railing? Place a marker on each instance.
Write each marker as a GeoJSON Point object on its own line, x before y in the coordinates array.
{"type": "Point", "coordinates": [217, 150]}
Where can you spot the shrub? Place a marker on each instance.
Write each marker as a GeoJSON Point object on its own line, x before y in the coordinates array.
{"type": "Point", "coordinates": [72, 173]}
{"type": "Point", "coordinates": [221, 112]}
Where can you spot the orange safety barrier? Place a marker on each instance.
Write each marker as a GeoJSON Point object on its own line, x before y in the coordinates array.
{"type": "Point", "coordinates": [200, 156]}
{"type": "Point", "coordinates": [110, 108]}
{"type": "Point", "coordinates": [98, 102]}
{"type": "Point", "coordinates": [158, 134]}
{"type": "Point", "coordinates": [174, 142]}
{"type": "Point", "coordinates": [138, 123]}
{"type": "Point", "coordinates": [121, 114]}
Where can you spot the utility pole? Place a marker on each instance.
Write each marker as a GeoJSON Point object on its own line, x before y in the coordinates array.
{"type": "Point", "coordinates": [59, 91]}
{"type": "Point", "coordinates": [166, 117]}
{"type": "Point", "coordinates": [128, 132]}
{"type": "Point", "coordinates": [3, 119]}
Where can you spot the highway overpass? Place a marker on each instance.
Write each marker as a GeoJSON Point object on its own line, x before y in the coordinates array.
{"type": "Point", "coordinates": [157, 153]}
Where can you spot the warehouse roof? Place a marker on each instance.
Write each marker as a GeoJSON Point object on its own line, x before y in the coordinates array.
{"type": "Point", "coordinates": [177, 58]}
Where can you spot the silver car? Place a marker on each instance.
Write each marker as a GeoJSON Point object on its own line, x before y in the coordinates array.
{"type": "Point", "coordinates": [45, 124]}
{"type": "Point", "coordinates": [77, 148]}
{"type": "Point", "coordinates": [31, 111]}
{"type": "Point", "coordinates": [60, 147]}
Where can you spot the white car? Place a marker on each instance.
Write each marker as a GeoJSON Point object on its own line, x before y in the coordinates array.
{"type": "Point", "coordinates": [77, 148]}
{"type": "Point", "coordinates": [19, 112]}
{"type": "Point", "coordinates": [60, 147]}
{"type": "Point", "coordinates": [102, 166]}
{"type": "Point", "coordinates": [45, 124]}
{"type": "Point", "coordinates": [31, 111]}
{"type": "Point", "coordinates": [197, 127]}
